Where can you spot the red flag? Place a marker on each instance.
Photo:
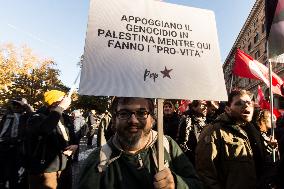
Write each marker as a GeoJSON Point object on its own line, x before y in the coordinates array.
{"type": "Point", "coordinates": [183, 105]}
{"type": "Point", "coordinates": [264, 104]}
{"type": "Point", "coordinates": [246, 66]}
{"type": "Point", "coordinates": [274, 14]}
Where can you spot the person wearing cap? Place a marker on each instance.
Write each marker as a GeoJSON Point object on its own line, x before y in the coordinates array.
{"type": "Point", "coordinates": [52, 142]}
{"type": "Point", "coordinates": [129, 158]}
{"type": "Point", "coordinates": [12, 135]}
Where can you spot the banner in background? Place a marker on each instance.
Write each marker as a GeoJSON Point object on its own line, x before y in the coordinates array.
{"type": "Point", "coordinates": [274, 14]}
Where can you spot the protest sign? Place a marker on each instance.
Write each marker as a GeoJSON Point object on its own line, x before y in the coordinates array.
{"type": "Point", "coordinates": [147, 48]}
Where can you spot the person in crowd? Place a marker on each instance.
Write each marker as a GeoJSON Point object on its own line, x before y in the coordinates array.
{"type": "Point", "coordinates": [171, 120]}
{"type": "Point", "coordinates": [280, 174]}
{"type": "Point", "coordinates": [266, 168]}
{"type": "Point", "coordinates": [279, 134]}
{"type": "Point", "coordinates": [51, 143]}
{"type": "Point", "coordinates": [191, 126]}
{"type": "Point", "coordinates": [92, 122]}
{"type": "Point", "coordinates": [12, 135]}
{"type": "Point", "coordinates": [224, 156]}
{"type": "Point", "coordinates": [104, 129]}
{"type": "Point", "coordinates": [212, 111]}
{"type": "Point", "coordinates": [79, 123]}
{"type": "Point", "coordinates": [128, 160]}
{"type": "Point", "coordinates": [79, 127]}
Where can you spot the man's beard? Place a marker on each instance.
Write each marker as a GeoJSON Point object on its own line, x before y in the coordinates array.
{"type": "Point", "coordinates": [132, 140]}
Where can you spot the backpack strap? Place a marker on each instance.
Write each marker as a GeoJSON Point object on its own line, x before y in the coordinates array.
{"type": "Point", "coordinates": [105, 153]}
{"type": "Point", "coordinates": [166, 147]}
{"type": "Point", "coordinates": [166, 144]}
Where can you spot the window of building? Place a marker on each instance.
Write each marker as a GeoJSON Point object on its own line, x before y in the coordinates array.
{"type": "Point", "coordinates": [249, 30]}
{"type": "Point", "coordinates": [257, 54]}
{"type": "Point", "coordinates": [249, 47]}
{"type": "Point", "coordinates": [255, 39]}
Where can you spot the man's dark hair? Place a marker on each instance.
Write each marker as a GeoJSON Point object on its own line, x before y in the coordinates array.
{"type": "Point", "coordinates": [194, 103]}
{"type": "Point", "coordinates": [127, 100]}
{"type": "Point", "coordinates": [168, 102]}
{"type": "Point", "coordinates": [237, 92]}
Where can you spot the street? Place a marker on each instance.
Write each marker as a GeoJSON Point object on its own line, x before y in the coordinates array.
{"type": "Point", "coordinates": [83, 154]}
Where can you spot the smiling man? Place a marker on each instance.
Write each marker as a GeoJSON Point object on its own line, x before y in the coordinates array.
{"type": "Point", "coordinates": [128, 160]}
{"type": "Point", "coordinates": [224, 157]}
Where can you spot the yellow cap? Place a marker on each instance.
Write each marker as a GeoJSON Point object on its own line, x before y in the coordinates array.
{"type": "Point", "coordinates": [53, 96]}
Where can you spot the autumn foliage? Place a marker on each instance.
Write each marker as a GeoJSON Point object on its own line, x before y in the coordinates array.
{"type": "Point", "coordinates": [23, 74]}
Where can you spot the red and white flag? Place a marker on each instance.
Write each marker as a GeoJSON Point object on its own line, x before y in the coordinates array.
{"type": "Point", "coordinates": [264, 104]}
{"type": "Point", "coordinates": [246, 66]}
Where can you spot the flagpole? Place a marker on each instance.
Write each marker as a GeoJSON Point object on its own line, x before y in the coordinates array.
{"type": "Point", "coordinates": [271, 102]}
{"type": "Point", "coordinates": [160, 135]}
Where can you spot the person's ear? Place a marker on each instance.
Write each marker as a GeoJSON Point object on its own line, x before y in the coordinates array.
{"type": "Point", "coordinates": [153, 123]}
{"type": "Point", "coordinates": [153, 120]}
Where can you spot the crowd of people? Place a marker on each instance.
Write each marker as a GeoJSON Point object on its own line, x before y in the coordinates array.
{"type": "Point", "coordinates": [37, 148]}
{"type": "Point", "coordinates": [218, 145]}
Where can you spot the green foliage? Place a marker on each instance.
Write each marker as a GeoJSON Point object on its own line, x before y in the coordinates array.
{"type": "Point", "coordinates": [99, 103]}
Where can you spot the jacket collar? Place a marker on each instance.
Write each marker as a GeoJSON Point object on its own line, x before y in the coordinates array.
{"type": "Point", "coordinates": [228, 122]}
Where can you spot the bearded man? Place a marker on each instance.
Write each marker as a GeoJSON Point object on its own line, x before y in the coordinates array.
{"type": "Point", "coordinates": [128, 160]}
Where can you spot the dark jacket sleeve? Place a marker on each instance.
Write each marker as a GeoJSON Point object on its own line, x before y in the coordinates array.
{"type": "Point", "coordinates": [182, 169]}
{"type": "Point", "coordinates": [41, 124]}
{"type": "Point", "coordinates": [74, 139]}
{"type": "Point", "coordinates": [206, 156]}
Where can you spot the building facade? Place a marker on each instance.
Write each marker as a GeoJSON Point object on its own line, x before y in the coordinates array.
{"type": "Point", "coordinates": [252, 40]}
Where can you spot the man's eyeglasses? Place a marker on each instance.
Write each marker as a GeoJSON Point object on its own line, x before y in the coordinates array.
{"type": "Point", "coordinates": [244, 102]}
{"type": "Point", "coordinates": [126, 114]}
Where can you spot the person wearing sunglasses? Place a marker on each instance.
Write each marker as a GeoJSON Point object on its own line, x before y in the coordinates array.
{"type": "Point", "coordinates": [224, 156]}
{"type": "Point", "coordinates": [129, 160]}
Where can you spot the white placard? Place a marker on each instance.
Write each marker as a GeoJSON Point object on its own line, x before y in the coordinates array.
{"type": "Point", "coordinates": [146, 48]}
